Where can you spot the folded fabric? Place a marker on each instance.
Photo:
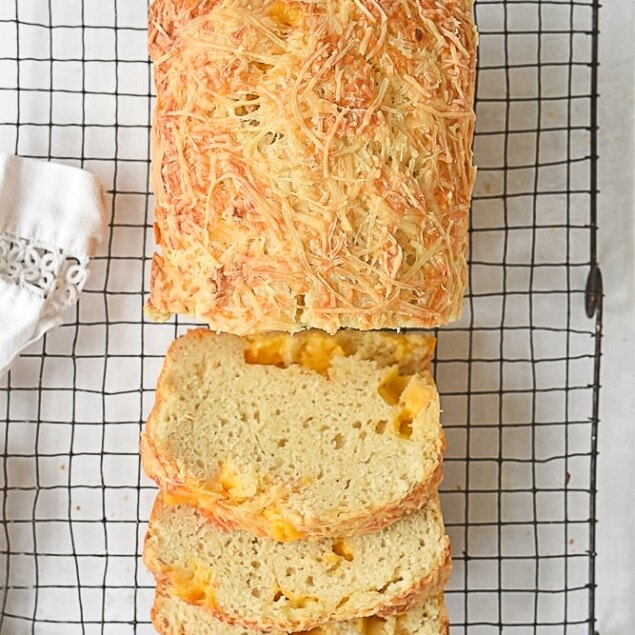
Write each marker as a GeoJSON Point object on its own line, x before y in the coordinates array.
{"type": "Point", "coordinates": [52, 217]}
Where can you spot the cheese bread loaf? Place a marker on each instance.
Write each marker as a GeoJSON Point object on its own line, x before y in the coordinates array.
{"type": "Point", "coordinates": [311, 162]}
{"type": "Point", "coordinates": [268, 585]}
{"type": "Point", "coordinates": [173, 616]}
{"type": "Point", "coordinates": [300, 435]}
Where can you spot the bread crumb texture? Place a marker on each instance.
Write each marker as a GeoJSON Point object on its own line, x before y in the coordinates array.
{"type": "Point", "coordinates": [311, 162]}
{"type": "Point", "coordinates": [173, 616]}
{"type": "Point", "coordinates": [290, 436]}
{"type": "Point", "coordinates": [268, 585]}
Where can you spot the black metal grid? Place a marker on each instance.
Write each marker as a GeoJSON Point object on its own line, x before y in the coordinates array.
{"type": "Point", "coordinates": [519, 375]}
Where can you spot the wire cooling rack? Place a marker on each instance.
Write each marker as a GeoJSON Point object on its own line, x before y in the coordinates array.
{"type": "Point", "coordinates": [518, 375]}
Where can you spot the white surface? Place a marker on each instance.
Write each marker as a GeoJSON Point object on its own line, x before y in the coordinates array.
{"type": "Point", "coordinates": [616, 477]}
{"type": "Point", "coordinates": [111, 389]}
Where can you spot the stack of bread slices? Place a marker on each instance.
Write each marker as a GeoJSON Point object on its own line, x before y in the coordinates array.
{"type": "Point", "coordinates": [311, 169]}
{"type": "Point", "coordinates": [298, 483]}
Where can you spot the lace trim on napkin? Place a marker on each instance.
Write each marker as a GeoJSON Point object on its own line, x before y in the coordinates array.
{"type": "Point", "coordinates": [43, 270]}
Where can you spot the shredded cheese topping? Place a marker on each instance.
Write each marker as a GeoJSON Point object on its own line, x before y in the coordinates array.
{"type": "Point", "coordinates": [312, 161]}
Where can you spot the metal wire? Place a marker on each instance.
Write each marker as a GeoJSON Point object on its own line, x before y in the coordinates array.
{"type": "Point", "coordinates": [518, 375]}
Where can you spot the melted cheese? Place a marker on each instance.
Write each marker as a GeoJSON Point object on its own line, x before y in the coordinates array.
{"type": "Point", "coordinates": [269, 522]}
{"type": "Point", "coordinates": [195, 585]}
{"type": "Point", "coordinates": [414, 398]}
{"type": "Point", "coordinates": [234, 486]}
{"type": "Point", "coordinates": [284, 13]}
{"type": "Point", "coordinates": [227, 485]}
{"type": "Point", "coordinates": [392, 385]}
{"type": "Point", "coordinates": [343, 549]}
{"type": "Point", "coordinates": [313, 351]}
{"type": "Point", "coordinates": [372, 625]}
{"type": "Point", "coordinates": [312, 161]}
{"type": "Point", "coordinates": [318, 353]}
{"type": "Point", "coordinates": [270, 350]}
{"type": "Point", "coordinates": [278, 527]}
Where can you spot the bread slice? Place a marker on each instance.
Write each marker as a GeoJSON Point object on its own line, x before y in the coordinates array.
{"type": "Point", "coordinates": [316, 169]}
{"type": "Point", "coordinates": [269, 585]}
{"type": "Point", "coordinates": [293, 436]}
{"type": "Point", "coordinates": [172, 616]}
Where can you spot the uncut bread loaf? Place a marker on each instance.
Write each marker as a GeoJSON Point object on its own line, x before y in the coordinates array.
{"type": "Point", "coordinates": [172, 616]}
{"type": "Point", "coordinates": [311, 162]}
{"type": "Point", "coordinates": [290, 436]}
{"type": "Point", "coordinates": [268, 585]}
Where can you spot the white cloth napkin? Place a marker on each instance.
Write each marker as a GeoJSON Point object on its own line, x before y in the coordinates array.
{"type": "Point", "coordinates": [51, 219]}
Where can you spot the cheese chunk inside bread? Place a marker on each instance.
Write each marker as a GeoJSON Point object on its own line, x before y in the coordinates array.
{"type": "Point", "coordinates": [268, 585]}
{"type": "Point", "coordinates": [293, 436]}
{"type": "Point", "coordinates": [173, 616]}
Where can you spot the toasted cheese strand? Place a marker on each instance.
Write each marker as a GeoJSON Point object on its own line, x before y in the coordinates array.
{"type": "Point", "coordinates": [312, 161]}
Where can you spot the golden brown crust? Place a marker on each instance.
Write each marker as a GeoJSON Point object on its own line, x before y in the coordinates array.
{"type": "Point", "coordinates": [445, 630]}
{"type": "Point", "coordinates": [315, 169]}
{"type": "Point", "coordinates": [431, 585]}
{"type": "Point", "coordinates": [166, 19]}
